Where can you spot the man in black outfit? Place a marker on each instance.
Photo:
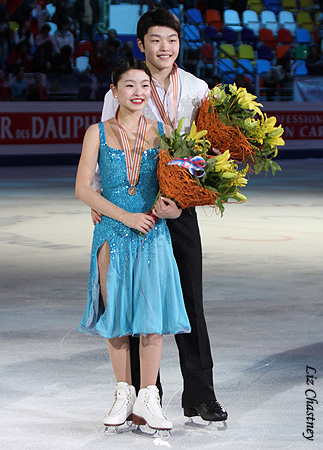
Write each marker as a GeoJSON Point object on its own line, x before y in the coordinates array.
{"type": "Point", "coordinates": [158, 34]}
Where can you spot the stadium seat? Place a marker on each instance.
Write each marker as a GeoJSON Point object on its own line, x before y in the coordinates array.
{"type": "Point", "coordinates": [50, 9]}
{"type": "Point", "coordinates": [192, 36]}
{"type": "Point", "coordinates": [286, 20]}
{"type": "Point", "coordinates": [302, 36]}
{"type": "Point", "coordinates": [212, 34]}
{"type": "Point", "coordinates": [213, 18]}
{"type": "Point", "coordinates": [13, 26]}
{"type": "Point", "coordinates": [267, 37]}
{"type": "Point", "coordinates": [84, 48]}
{"type": "Point", "coordinates": [299, 67]}
{"type": "Point", "coordinates": [268, 20]}
{"type": "Point", "coordinates": [246, 69]}
{"type": "Point", "coordinates": [290, 5]}
{"type": "Point", "coordinates": [82, 63]}
{"type": "Point", "coordinates": [226, 70]}
{"type": "Point", "coordinates": [248, 37]}
{"type": "Point", "coordinates": [250, 20]}
{"type": "Point", "coordinates": [265, 52]}
{"type": "Point", "coordinates": [306, 4]}
{"type": "Point", "coordinates": [206, 60]}
{"type": "Point", "coordinates": [255, 5]}
{"type": "Point", "coordinates": [231, 19]}
{"type": "Point", "coordinates": [175, 11]}
{"type": "Point", "coordinates": [281, 50]}
{"type": "Point", "coordinates": [229, 35]}
{"type": "Point", "coordinates": [301, 52]}
{"type": "Point", "coordinates": [195, 17]}
{"type": "Point", "coordinates": [273, 5]}
{"type": "Point", "coordinates": [53, 27]}
{"type": "Point", "coordinates": [228, 48]}
{"type": "Point", "coordinates": [245, 51]}
{"type": "Point", "coordinates": [304, 20]}
{"type": "Point", "coordinates": [285, 36]}
{"type": "Point", "coordinates": [262, 66]}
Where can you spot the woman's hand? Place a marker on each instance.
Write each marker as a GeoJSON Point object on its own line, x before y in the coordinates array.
{"type": "Point", "coordinates": [96, 217]}
{"type": "Point", "coordinates": [165, 208]}
{"type": "Point", "coordinates": [139, 221]}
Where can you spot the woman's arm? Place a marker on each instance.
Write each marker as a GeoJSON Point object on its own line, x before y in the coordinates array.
{"type": "Point", "coordinates": [85, 192]}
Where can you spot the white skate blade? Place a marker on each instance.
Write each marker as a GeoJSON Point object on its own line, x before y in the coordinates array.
{"type": "Point", "coordinates": [198, 422]}
{"type": "Point", "coordinates": [118, 429]}
{"type": "Point", "coordinates": [145, 430]}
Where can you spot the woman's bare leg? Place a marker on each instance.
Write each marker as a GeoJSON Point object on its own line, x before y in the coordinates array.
{"type": "Point", "coordinates": [150, 353]}
{"type": "Point", "coordinates": [118, 347]}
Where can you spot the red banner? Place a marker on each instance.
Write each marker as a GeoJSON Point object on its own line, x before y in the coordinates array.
{"type": "Point", "coordinates": [300, 124]}
{"type": "Point", "coordinates": [45, 128]}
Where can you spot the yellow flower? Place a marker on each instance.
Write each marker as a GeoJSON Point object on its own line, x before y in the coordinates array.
{"type": "Point", "coordinates": [268, 124]}
{"type": "Point", "coordinates": [274, 141]}
{"type": "Point", "coordinates": [194, 135]}
{"type": "Point", "coordinates": [180, 125]}
{"type": "Point", "coordinates": [246, 101]}
{"type": "Point", "coordinates": [217, 95]}
{"type": "Point", "coordinates": [251, 124]}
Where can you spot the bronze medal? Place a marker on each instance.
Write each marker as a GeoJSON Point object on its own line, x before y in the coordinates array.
{"type": "Point", "coordinates": [132, 190]}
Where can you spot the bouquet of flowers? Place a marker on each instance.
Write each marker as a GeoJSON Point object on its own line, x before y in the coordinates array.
{"type": "Point", "coordinates": [191, 176]}
{"type": "Point", "coordinates": [234, 122]}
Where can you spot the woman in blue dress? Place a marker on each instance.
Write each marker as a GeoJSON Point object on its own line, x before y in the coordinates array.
{"type": "Point", "coordinates": [134, 286]}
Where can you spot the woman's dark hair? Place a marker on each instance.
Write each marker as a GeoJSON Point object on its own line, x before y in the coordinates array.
{"type": "Point", "coordinates": [157, 17]}
{"type": "Point", "coordinates": [128, 64]}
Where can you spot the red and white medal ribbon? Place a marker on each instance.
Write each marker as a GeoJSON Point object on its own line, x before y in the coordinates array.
{"type": "Point", "coordinates": [133, 158]}
{"type": "Point", "coordinates": [156, 99]}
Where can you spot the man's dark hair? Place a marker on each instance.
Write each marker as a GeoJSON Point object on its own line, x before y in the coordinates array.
{"type": "Point", "coordinates": [128, 64]}
{"type": "Point", "coordinates": [157, 17]}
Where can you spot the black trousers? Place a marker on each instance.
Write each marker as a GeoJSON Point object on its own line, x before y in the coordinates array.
{"type": "Point", "coordinates": [194, 348]}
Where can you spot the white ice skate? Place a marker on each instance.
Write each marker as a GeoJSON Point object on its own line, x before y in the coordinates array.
{"type": "Point", "coordinates": [121, 411]}
{"type": "Point", "coordinates": [147, 411]}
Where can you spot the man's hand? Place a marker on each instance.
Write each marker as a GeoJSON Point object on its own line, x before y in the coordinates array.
{"type": "Point", "coordinates": [165, 208]}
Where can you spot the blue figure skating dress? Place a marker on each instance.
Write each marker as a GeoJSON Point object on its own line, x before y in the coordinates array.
{"type": "Point", "coordinates": [144, 294]}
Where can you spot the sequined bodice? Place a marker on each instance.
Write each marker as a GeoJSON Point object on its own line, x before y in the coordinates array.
{"type": "Point", "coordinates": [114, 181]}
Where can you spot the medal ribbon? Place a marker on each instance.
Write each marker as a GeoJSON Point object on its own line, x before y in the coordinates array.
{"type": "Point", "coordinates": [193, 164]}
{"type": "Point", "coordinates": [133, 159]}
{"type": "Point", "coordinates": [156, 99]}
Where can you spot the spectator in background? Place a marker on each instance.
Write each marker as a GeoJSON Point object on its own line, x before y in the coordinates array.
{"type": "Point", "coordinates": [19, 86]}
{"type": "Point", "coordinates": [64, 9]}
{"type": "Point", "coordinates": [87, 13]}
{"type": "Point", "coordinates": [63, 35]}
{"type": "Point", "coordinates": [19, 57]}
{"type": "Point", "coordinates": [23, 34]}
{"type": "Point", "coordinates": [45, 36]}
{"type": "Point", "coordinates": [63, 61]}
{"type": "Point", "coordinates": [4, 35]}
{"type": "Point", "coordinates": [20, 10]}
{"type": "Point", "coordinates": [113, 39]}
{"type": "Point", "coordinates": [127, 50]}
{"type": "Point", "coordinates": [272, 80]}
{"type": "Point", "coordinates": [98, 58]}
{"type": "Point", "coordinates": [243, 80]}
{"type": "Point", "coordinates": [314, 61]}
{"type": "Point", "coordinates": [43, 58]}
{"type": "Point", "coordinates": [5, 91]}
{"type": "Point", "coordinates": [113, 53]}
{"type": "Point", "coordinates": [36, 90]}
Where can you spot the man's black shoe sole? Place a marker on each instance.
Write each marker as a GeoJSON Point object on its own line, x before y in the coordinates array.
{"type": "Point", "coordinates": [193, 412]}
